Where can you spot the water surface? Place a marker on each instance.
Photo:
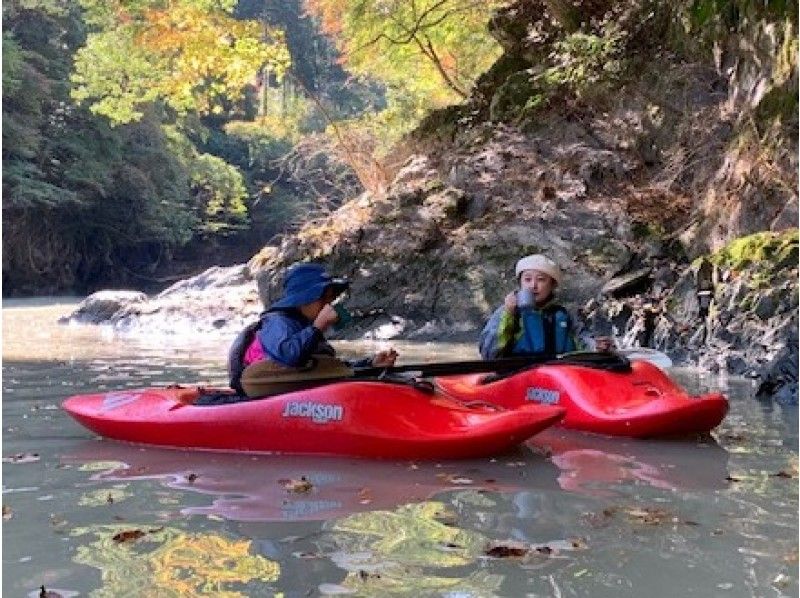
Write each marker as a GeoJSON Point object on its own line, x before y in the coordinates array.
{"type": "Point", "coordinates": [591, 515]}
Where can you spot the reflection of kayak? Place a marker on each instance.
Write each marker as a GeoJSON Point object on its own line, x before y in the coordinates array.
{"type": "Point", "coordinates": [258, 487]}
{"type": "Point", "coordinates": [363, 419]}
{"type": "Point", "coordinates": [590, 464]}
{"type": "Point", "coordinates": [641, 402]}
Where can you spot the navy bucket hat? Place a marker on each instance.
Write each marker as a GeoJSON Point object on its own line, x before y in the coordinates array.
{"type": "Point", "coordinates": [305, 283]}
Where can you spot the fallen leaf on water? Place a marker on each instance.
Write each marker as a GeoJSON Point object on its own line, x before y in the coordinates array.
{"type": "Point", "coordinates": [22, 458]}
{"type": "Point", "coordinates": [7, 513]}
{"type": "Point", "coordinates": [579, 544]}
{"type": "Point", "coordinates": [648, 515]}
{"type": "Point", "coordinates": [299, 486]}
{"type": "Point", "coordinates": [507, 550]}
{"type": "Point", "coordinates": [128, 535]}
{"type": "Point", "coordinates": [513, 549]}
{"type": "Point", "coordinates": [601, 519]}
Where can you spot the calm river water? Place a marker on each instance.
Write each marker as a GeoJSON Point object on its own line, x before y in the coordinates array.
{"type": "Point", "coordinates": [596, 516]}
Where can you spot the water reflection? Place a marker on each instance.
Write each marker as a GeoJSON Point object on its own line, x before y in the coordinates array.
{"type": "Point", "coordinates": [596, 465]}
{"type": "Point", "coordinates": [162, 562]}
{"type": "Point", "coordinates": [394, 552]}
{"type": "Point", "coordinates": [297, 488]}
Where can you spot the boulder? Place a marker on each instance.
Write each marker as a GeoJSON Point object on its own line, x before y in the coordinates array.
{"type": "Point", "coordinates": [100, 307]}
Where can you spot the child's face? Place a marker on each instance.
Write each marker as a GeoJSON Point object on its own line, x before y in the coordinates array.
{"type": "Point", "coordinates": [539, 283]}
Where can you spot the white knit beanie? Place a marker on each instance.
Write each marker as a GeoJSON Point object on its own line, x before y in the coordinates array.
{"type": "Point", "coordinates": [542, 264]}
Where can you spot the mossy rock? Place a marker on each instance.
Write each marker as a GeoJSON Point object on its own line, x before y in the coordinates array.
{"type": "Point", "coordinates": [520, 93]}
{"type": "Point", "coordinates": [489, 82]}
{"type": "Point", "coordinates": [776, 251]}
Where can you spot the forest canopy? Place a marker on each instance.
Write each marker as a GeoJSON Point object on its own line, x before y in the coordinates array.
{"type": "Point", "coordinates": [135, 127]}
{"type": "Point", "coordinates": [135, 131]}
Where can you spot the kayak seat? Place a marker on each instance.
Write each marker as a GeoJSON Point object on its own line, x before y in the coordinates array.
{"type": "Point", "coordinates": [210, 399]}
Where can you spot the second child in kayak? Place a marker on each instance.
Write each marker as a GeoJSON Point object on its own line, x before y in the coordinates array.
{"type": "Point", "coordinates": [293, 328]}
{"type": "Point", "coordinates": [531, 321]}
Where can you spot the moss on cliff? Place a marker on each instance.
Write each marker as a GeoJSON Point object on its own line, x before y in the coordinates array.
{"type": "Point", "coordinates": [775, 251]}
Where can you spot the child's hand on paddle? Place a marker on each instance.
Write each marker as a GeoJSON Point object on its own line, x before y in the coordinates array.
{"type": "Point", "coordinates": [384, 359]}
{"type": "Point", "coordinates": [326, 317]}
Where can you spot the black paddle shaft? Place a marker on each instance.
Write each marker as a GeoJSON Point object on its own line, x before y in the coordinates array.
{"type": "Point", "coordinates": [607, 361]}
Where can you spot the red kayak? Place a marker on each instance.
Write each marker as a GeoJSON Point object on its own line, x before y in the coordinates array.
{"type": "Point", "coordinates": [641, 402]}
{"type": "Point", "coordinates": [352, 418]}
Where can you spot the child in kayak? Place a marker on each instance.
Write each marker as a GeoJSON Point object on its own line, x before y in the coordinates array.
{"type": "Point", "coordinates": [292, 329]}
{"type": "Point", "coordinates": [530, 321]}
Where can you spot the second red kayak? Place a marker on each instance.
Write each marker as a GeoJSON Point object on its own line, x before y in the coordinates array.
{"type": "Point", "coordinates": [641, 402]}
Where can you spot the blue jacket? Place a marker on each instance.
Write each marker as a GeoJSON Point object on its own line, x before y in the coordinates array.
{"type": "Point", "coordinates": [530, 331]}
{"type": "Point", "coordinates": [288, 337]}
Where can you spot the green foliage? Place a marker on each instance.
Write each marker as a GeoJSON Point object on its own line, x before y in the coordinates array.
{"type": "Point", "coordinates": [120, 77]}
{"type": "Point", "coordinates": [265, 140]}
{"type": "Point", "coordinates": [189, 54]}
{"type": "Point", "coordinates": [717, 17]}
{"type": "Point", "coordinates": [13, 63]}
{"type": "Point", "coordinates": [82, 201]}
{"type": "Point", "coordinates": [428, 53]}
{"type": "Point", "coordinates": [219, 189]}
{"type": "Point", "coordinates": [583, 61]}
{"type": "Point", "coordinates": [586, 61]}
